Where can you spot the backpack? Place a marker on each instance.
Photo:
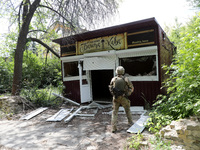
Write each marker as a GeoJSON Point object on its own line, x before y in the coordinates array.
{"type": "Point", "coordinates": [119, 86]}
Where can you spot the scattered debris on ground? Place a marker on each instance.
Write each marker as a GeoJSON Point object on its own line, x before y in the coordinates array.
{"type": "Point", "coordinates": [87, 129]}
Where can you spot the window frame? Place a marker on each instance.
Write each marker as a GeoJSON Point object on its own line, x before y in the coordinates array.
{"type": "Point", "coordinates": [71, 59]}
{"type": "Point", "coordinates": [138, 52]}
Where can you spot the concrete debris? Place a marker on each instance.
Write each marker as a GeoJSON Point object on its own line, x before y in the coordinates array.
{"type": "Point", "coordinates": [184, 132]}
{"type": "Point", "coordinates": [33, 113]}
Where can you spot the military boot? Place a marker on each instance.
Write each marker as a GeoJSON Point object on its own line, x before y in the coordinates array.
{"type": "Point", "coordinates": [114, 129]}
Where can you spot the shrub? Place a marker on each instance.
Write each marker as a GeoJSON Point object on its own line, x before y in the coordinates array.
{"type": "Point", "coordinates": [6, 72]}
{"type": "Point", "coordinates": [42, 97]}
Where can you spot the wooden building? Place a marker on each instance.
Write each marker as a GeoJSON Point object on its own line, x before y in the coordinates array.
{"type": "Point", "coordinates": [89, 60]}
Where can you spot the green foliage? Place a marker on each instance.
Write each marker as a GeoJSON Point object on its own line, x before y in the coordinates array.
{"type": "Point", "coordinates": [41, 77]}
{"type": "Point", "coordinates": [183, 84]}
{"type": "Point", "coordinates": [6, 72]}
{"type": "Point", "coordinates": [154, 142]}
{"type": "Point", "coordinates": [42, 97]}
{"type": "Point", "coordinates": [157, 121]}
{"type": "Point", "coordinates": [135, 141]}
{"type": "Point", "coordinates": [157, 143]}
{"type": "Point", "coordinates": [39, 72]}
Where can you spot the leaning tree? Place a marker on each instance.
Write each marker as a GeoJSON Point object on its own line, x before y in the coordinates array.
{"type": "Point", "coordinates": [35, 17]}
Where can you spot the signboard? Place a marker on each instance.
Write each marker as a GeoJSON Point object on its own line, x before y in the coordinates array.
{"type": "Point", "coordinates": [114, 42]}
{"type": "Point", "coordinates": [141, 38]}
{"type": "Point", "coordinates": [68, 50]}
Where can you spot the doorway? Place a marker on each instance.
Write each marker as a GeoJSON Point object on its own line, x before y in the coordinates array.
{"type": "Point", "coordinates": [100, 81]}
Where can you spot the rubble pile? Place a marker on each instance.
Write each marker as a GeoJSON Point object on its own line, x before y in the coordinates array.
{"type": "Point", "coordinates": [185, 132]}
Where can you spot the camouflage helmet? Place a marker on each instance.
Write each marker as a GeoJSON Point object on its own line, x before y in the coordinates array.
{"type": "Point", "coordinates": [120, 70]}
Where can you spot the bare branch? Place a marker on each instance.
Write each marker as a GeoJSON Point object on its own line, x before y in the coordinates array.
{"type": "Point", "coordinates": [19, 14]}
{"type": "Point", "coordinates": [37, 31]}
{"type": "Point", "coordinates": [58, 14]}
{"type": "Point", "coordinates": [43, 44]}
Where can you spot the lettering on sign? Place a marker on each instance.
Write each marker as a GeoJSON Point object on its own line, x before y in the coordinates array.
{"type": "Point", "coordinates": [141, 38]}
{"type": "Point", "coordinates": [114, 42]}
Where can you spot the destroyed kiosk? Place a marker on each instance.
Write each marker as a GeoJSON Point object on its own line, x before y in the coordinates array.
{"type": "Point", "coordinates": [89, 61]}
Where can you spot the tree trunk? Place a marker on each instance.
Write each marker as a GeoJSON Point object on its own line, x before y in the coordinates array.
{"type": "Point", "coordinates": [21, 43]}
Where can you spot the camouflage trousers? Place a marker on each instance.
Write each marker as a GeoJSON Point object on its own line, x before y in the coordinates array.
{"type": "Point", "coordinates": [121, 100]}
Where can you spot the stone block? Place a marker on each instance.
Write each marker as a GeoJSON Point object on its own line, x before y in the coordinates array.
{"type": "Point", "coordinates": [196, 133]}
{"type": "Point", "coordinates": [180, 131]}
{"type": "Point", "coordinates": [193, 125]}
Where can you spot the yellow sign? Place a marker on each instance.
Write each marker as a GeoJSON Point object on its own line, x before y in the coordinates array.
{"type": "Point", "coordinates": [114, 42]}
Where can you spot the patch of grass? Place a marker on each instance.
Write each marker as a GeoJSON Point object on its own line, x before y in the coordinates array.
{"type": "Point", "coordinates": [139, 142]}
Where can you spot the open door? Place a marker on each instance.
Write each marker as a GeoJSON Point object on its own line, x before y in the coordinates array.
{"type": "Point", "coordinates": [84, 86]}
{"type": "Point", "coordinates": [100, 81]}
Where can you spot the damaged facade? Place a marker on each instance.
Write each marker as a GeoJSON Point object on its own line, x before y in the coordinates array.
{"type": "Point", "coordinates": [89, 60]}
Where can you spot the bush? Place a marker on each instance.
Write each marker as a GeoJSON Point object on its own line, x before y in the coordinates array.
{"type": "Point", "coordinates": [39, 72]}
{"type": "Point", "coordinates": [6, 72]}
{"type": "Point", "coordinates": [183, 85]}
{"type": "Point", "coordinates": [42, 97]}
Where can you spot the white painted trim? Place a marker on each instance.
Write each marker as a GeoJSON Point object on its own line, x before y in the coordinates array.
{"type": "Point", "coordinates": [135, 52]}
{"type": "Point", "coordinates": [74, 78]}
{"type": "Point", "coordinates": [102, 53]}
{"type": "Point", "coordinates": [143, 78]}
{"type": "Point", "coordinates": [72, 58]}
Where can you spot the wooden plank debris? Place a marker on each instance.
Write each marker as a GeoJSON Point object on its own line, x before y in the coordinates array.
{"type": "Point", "coordinates": [67, 99]}
{"type": "Point", "coordinates": [33, 113]}
{"type": "Point", "coordinates": [139, 125]}
{"type": "Point", "coordinates": [60, 115]}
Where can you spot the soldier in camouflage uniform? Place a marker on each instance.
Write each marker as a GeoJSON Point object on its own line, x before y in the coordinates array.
{"type": "Point", "coordinates": [120, 87]}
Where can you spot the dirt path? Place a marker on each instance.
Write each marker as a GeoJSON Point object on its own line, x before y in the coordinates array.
{"type": "Point", "coordinates": [81, 133]}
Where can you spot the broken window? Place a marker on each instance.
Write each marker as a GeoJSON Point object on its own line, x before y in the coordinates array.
{"type": "Point", "coordinates": [71, 69]}
{"type": "Point", "coordinates": [140, 66]}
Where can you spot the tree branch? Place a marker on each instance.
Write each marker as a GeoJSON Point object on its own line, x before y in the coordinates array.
{"type": "Point", "coordinates": [37, 31]}
{"type": "Point", "coordinates": [58, 14]}
{"type": "Point", "coordinates": [43, 44]}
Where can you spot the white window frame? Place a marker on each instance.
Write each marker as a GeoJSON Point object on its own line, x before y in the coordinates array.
{"type": "Point", "coordinates": [71, 59]}
{"type": "Point", "coordinates": [137, 52]}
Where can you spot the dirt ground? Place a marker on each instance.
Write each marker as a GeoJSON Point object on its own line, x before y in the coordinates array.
{"type": "Point", "coordinates": [81, 133]}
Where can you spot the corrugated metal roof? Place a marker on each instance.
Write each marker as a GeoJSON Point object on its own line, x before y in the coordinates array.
{"type": "Point", "coordinates": [151, 22]}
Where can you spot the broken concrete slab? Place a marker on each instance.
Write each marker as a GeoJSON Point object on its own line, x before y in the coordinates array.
{"type": "Point", "coordinates": [60, 115]}
{"type": "Point", "coordinates": [33, 113]}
